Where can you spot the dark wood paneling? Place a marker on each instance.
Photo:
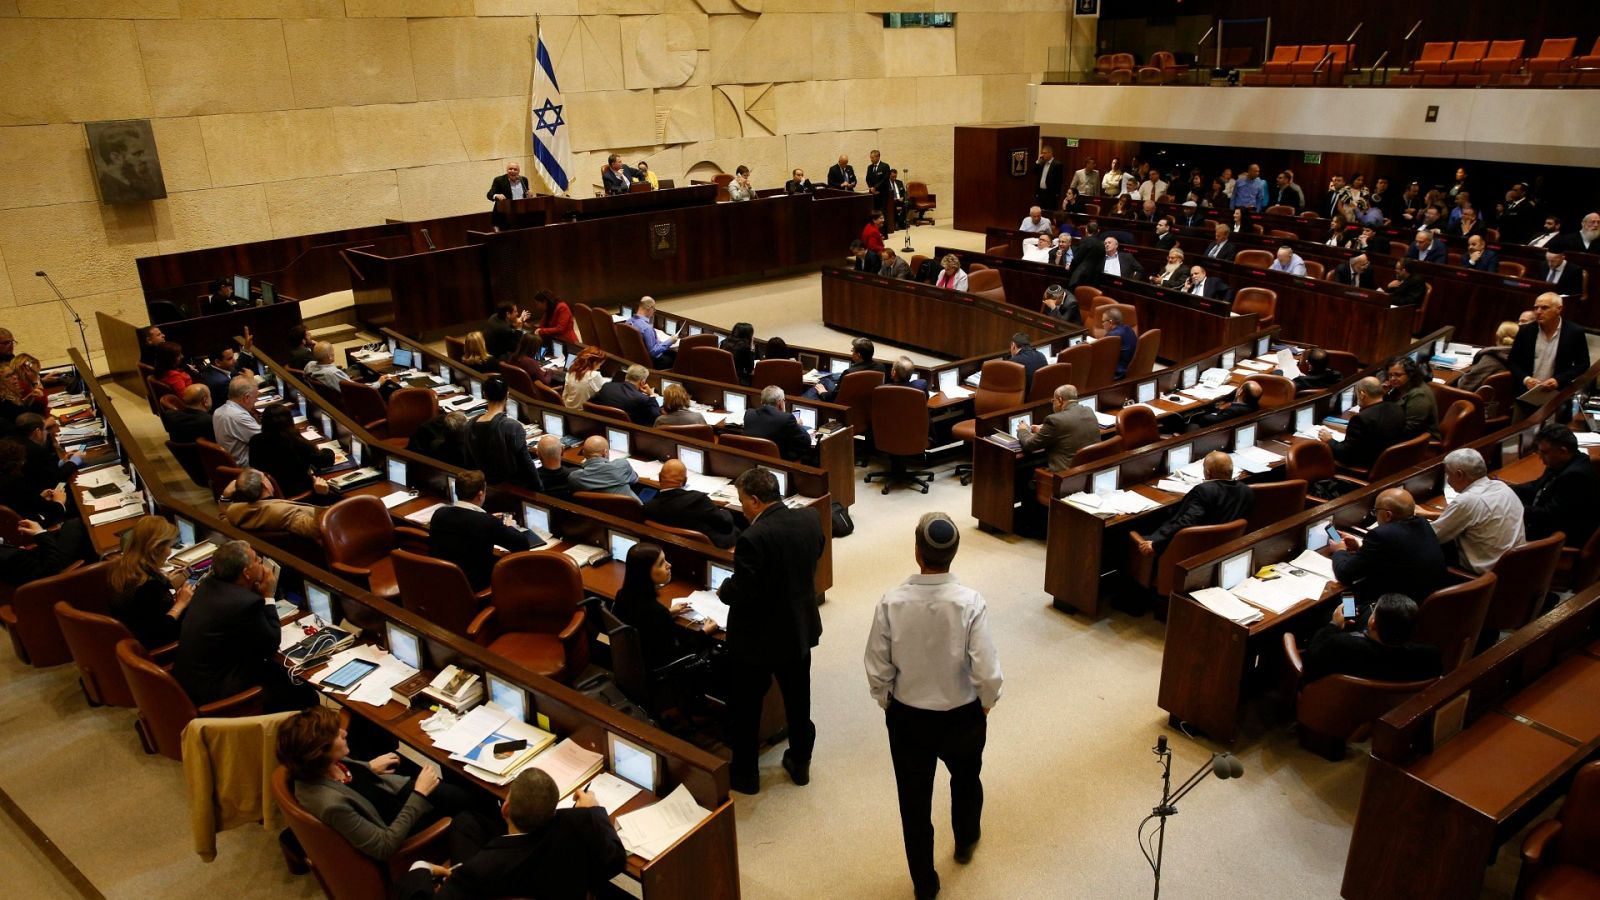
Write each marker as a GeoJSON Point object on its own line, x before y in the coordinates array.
{"type": "Point", "coordinates": [302, 266]}
{"type": "Point", "coordinates": [986, 191]}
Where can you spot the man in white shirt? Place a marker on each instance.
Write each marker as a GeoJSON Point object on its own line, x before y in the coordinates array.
{"type": "Point", "coordinates": [1037, 249]}
{"type": "Point", "coordinates": [1288, 261]}
{"type": "Point", "coordinates": [1485, 518]}
{"type": "Point", "coordinates": [1153, 187]}
{"type": "Point", "coordinates": [235, 422]}
{"type": "Point", "coordinates": [1086, 181]}
{"type": "Point", "coordinates": [1035, 222]}
{"type": "Point", "coordinates": [933, 668]}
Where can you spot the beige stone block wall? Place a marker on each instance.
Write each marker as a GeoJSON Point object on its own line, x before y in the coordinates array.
{"type": "Point", "coordinates": [340, 113]}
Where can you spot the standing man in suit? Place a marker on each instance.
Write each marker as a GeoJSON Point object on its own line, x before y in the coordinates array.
{"type": "Point", "coordinates": [772, 625]}
{"type": "Point", "coordinates": [510, 186]}
{"type": "Point", "coordinates": [1048, 176]}
{"type": "Point", "coordinates": [772, 420]}
{"type": "Point", "coordinates": [617, 177]}
{"type": "Point", "coordinates": [566, 852]}
{"type": "Point", "coordinates": [1407, 288]}
{"type": "Point", "coordinates": [678, 506]}
{"type": "Point", "coordinates": [1549, 352]}
{"type": "Point", "coordinates": [1564, 279]}
{"type": "Point", "coordinates": [842, 175]}
{"type": "Point", "coordinates": [497, 444]}
{"type": "Point", "coordinates": [632, 395]}
{"type": "Point", "coordinates": [896, 189]}
{"type": "Point", "coordinates": [1380, 424]}
{"type": "Point", "coordinates": [1223, 248]}
{"type": "Point", "coordinates": [932, 667]}
{"type": "Point", "coordinates": [1383, 653]}
{"type": "Point", "coordinates": [1517, 215]}
{"type": "Point", "coordinates": [798, 183]}
{"type": "Point", "coordinates": [229, 635]}
{"type": "Point", "coordinates": [1070, 427]}
{"type": "Point", "coordinates": [1566, 497]}
{"type": "Point", "coordinates": [1401, 554]}
{"type": "Point", "coordinates": [1030, 359]}
{"type": "Point", "coordinates": [1356, 272]}
{"type": "Point", "coordinates": [1201, 284]}
{"type": "Point", "coordinates": [877, 180]}
{"type": "Point", "coordinates": [892, 266]}
{"type": "Point", "coordinates": [464, 534]}
{"type": "Point", "coordinates": [1214, 501]}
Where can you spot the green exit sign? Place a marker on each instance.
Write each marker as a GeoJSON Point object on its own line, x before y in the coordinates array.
{"type": "Point", "coordinates": [1072, 142]}
{"type": "Point", "coordinates": [1311, 159]}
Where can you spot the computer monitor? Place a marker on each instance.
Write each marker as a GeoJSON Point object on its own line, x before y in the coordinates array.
{"type": "Point", "coordinates": [1147, 391]}
{"type": "Point", "coordinates": [783, 481]}
{"type": "Point", "coordinates": [716, 574]}
{"type": "Point", "coordinates": [694, 330]}
{"type": "Point", "coordinates": [1178, 457]}
{"type": "Point", "coordinates": [241, 287]}
{"type": "Point", "coordinates": [402, 357]}
{"type": "Point", "coordinates": [507, 696]}
{"type": "Point", "coordinates": [949, 379]}
{"type": "Point", "coordinates": [1510, 450]}
{"type": "Point", "coordinates": [186, 535]}
{"type": "Point", "coordinates": [734, 402]}
{"type": "Point", "coordinates": [1317, 534]}
{"type": "Point", "coordinates": [269, 294]}
{"type": "Point", "coordinates": [1190, 376]}
{"type": "Point", "coordinates": [1233, 570]}
{"type": "Point", "coordinates": [449, 489]}
{"type": "Point", "coordinates": [301, 401]}
{"type": "Point", "coordinates": [1017, 421]}
{"type": "Point", "coordinates": [1304, 418]}
{"type": "Point", "coordinates": [1089, 403]}
{"type": "Point", "coordinates": [693, 459]}
{"type": "Point", "coordinates": [671, 325]}
{"type": "Point", "coordinates": [358, 451]}
{"type": "Point", "coordinates": [395, 469]}
{"type": "Point", "coordinates": [1347, 400]}
{"type": "Point", "coordinates": [627, 312]}
{"type": "Point", "coordinates": [558, 350]}
{"type": "Point", "coordinates": [838, 364]}
{"type": "Point", "coordinates": [403, 645]}
{"type": "Point", "coordinates": [445, 372]}
{"type": "Point", "coordinates": [619, 544]}
{"type": "Point", "coordinates": [1263, 344]}
{"type": "Point", "coordinates": [328, 431]}
{"type": "Point", "coordinates": [1244, 436]}
{"type": "Point", "coordinates": [554, 424]}
{"type": "Point", "coordinates": [633, 763]}
{"type": "Point", "coordinates": [669, 383]}
{"type": "Point", "coordinates": [1227, 360]}
{"type": "Point", "coordinates": [1105, 481]}
{"type": "Point", "coordinates": [535, 518]}
{"type": "Point", "coordinates": [476, 388]}
{"type": "Point", "coordinates": [806, 416]}
{"type": "Point", "coordinates": [320, 601]}
{"type": "Point", "coordinates": [618, 439]}
{"type": "Point", "coordinates": [513, 409]}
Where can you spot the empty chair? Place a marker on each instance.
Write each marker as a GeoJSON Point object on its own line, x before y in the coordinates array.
{"type": "Point", "coordinates": [1306, 61]}
{"type": "Point", "coordinates": [92, 639]}
{"type": "Point", "coordinates": [1554, 54]}
{"type": "Point", "coordinates": [155, 392]}
{"type": "Point", "coordinates": [409, 407]}
{"type": "Point", "coordinates": [1047, 379]}
{"type": "Point", "coordinates": [545, 393]}
{"type": "Point", "coordinates": [31, 619]}
{"type": "Point", "coordinates": [1260, 259]}
{"type": "Point", "coordinates": [164, 709]}
{"type": "Point", "coordinates": [1341, 361]}
{"type": "Point", "coordinates": [1168, 64]}
{"type": "Point", "coordinates": [1159, 574]}
{"type": "Point", "coordinates": [1451, 619]}
{"type": "Point", "coordinates": [604, 331]}
{"type": "Point", "coordinates": [714, 364]}
{"type": "Point", "coordinates": [1522, 582]}
{"type": "Point", "coordinates": [1283, 56]}
{"type": "Point", "coordinates": [687, 343]}
{"type": "Point", "coordinates": [1137, 427]}
{"type": "Point", "coordinates": [1279, 209]}
{"type": "Point", "coordinates": [854, 393]}
{"type": "Point", "coordinates": [1080, 358]}
{"type": "Point", "coordinates": [436, 590]}
{"type": "Point", "coordinates": [922, 202]}
{"type": "Point", "coordinates": [1276, 390]}
{"type": "Point", "coordinates": [688, 533]}
{"type": "Point", "coordinates": [1400, 457]}
{"type": "Point", "coordinates": [1275, 501]}
{"type": "Point", "coordinates": [786, 374]}
{"type": "Point", "coordinates": [1261, 301]}
{"type": "Point", "coordinates": [455, 348]}
{"type": "Point", "coordinates": [358, 535]}
{"type": "Point", "coordinates": [1103, 355]}
{"type": "Point", "coordinates": [1336, 709]}
{"type": "Point", "coordinates": [1314, 269]}
{"type": "Point", "coordinates": [763, 446]}
{"type": "Point", "coordinates": [900, 420]}
{"type": "Point", "coordinates": [1561, 856]}
{"type": "Point", "coordinates": [516, 378]}
{"type": "Point", "coordinates": [623, 507]}
{"type": "Point", "coordinates": [365, 404]}
{"type": "Point", "coordinates": [1579, 567]}
{"type": "Point", "coordinates": [1144, 354]}
{"type": "Point", "coordinates": [583, 318]}
{"type": "Point", "coordinates": [1434, 55]}
{"type": "Point", "coordinates": [1504, 57]}
{"type": "Point", "coordinates": [1461, 424]}
{"type": "Point", "coordinates": [1309, 461]}
{"type": "Point", "coordinates": [1000, 385]}
{"type": "Point", "coordinates": [610, 412]}
{"type": "Point", "coordinates": [1465, 58]}
{"type": "Point", "coordinates": [983, 280]}
{"type": "Point", "coordinates": [188, 456]}
{"type": "Point", "coordinates": [1085, 295]}
{"type": "Point", "coordinates": [534, 620]}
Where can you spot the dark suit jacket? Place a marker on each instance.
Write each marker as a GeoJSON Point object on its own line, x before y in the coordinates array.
{"type": "Point", "coordinates": [840, 178]}
{"type": "Point", "coordinates": [868, 262]}
{"type": "Point", "coordinates": [1165, 241]}
{"type": "Point", "coordinates": [1062, 434]}
{"type": "Point", "coordinates": [617, 181]}
{"type": "Point", "coordinates": [1342, 274]}
{"type": "Point", "coordinates": [1572, 242]}
{"type": "Point", "coordinates": [1564, 500]}
{"type": "Point", "coordinates": [185, 425]}
{"type": "Point", "coordinates": [1401, 558]}
{"type": "Point", "coordinates": [683, 508]}
{"type": "Point", "coordinates": [1052, 182]}
{"type": "Point", "coordinates": [52, 552]}
{"type": "Point", "coordinates": [227, 640]}
{"type": "Point", "coordinates": [499, 448]}
{"type": "Point", "coordinates": [798, 187]}
{"type": "Point", "coordinates": [467, 538]}
{"type": "Point", "coordinates": [1214, 288]}
{"type": "Point", "coordinates": [1572, 353]}
{"type": "Point", "coordinates": [1411, 292]}
{"type": "Point", "coordinates": [1435, 254]}
{"type": "Point", "coordinates": [771, 596]}
{"type": "Point", "coordinates": [1488, 262]}
{"type": "Point", "coordinates": [899, 269]}
{"type": "Point", "coordinates": [1312, 381]}
{"type": "Point", "coordinates": [575, 851]}
{"type": "Point", "coordinates": [1569, 283]}
{"type": "Point", "coordinates": [1208, 503]}
{"type": "Point", "coordinates": [779, 427]}
{"type": "Point", "coordinates": [1226, 251]}
{"type": "Point", "coordinates": [1371, 431]}
{"type": "Point", "coordinates": [1518, 221]}
{"type": "Point", "coordinates": [502, 185]}
{"type": "Point", "coordinates": [641, 409]}
{"type": "Point", "coordinates": [1333, 651]}
{"type": "Point", "coordinates": [1031, 361]}
{"type": "Point", "coordinates": [877, 175]}
{"type": "Point", "coordinates": [499, 338]}
{"type": "Point", "coordinates": [1195, 221]}
{"type": "Point", "coordinates": [217, 380]}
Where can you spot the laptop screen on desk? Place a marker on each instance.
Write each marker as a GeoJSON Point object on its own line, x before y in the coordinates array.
{"type": "Point", "coordinates": [1263, 345]}
{"type": "Point", "coordinates": [1317, 534]}
{"type": "Point", "coordinates": [395, 468]}
{"type": "Point", "coordinates": [1227, 361]}
{"type": "Point", "coordinates": [1233, 570]}
{"type": "Point", "coordinates": [948, 379]}
{"type": "Point", "coordinates": [619, 544]}
{"type": "Point", "coordinates": [535, 518]}
{"type": "Point", "coordinates": [1147, 391]}
{"type": "Point", "coordinates": [1178, 457]}
{"type": "Point", "coordinates": [667, 383]}
{"type": "Point", "coordinates": [402, 357]}
{"type": "Point", "coordinates": [558, 350]}
{"type": "Point", "coordinates": [553, 424]}
{"type": "Point", "coordinates": [1244, 436]}
{"type": "Point", "coordinates": [693, 459]}
{"type": "Point", "coordinates": [618, 439]}
{"type": "Point", "coordinates": [1304, 418]}
{"type": "Point", "coordinates": [185, 532]}
{"type": "Point", "coordinates": [806, 416]}
{"type": "Point", "coordinates": [838, 364]}
{"type": "Point", "coordinates": [404, 646]}
{"type": "Point", "coordinates": [509, 697]}
{"type": "Point", "coordinates": [716, 574]}
{"type": "Point", "coordinates": [734, 403]}
{"type": "Point", "coordinates": [1017, 421]}
{"type": "Point", "coordinates": [1190, 376]}
{"type": "Point", "coordinates": [513, 410]}
{"type": "Point", "coordinates": [320, 601]}
{"type": "Point", "coordinates": [1105, 482]}
{"type": "Point", "coordinates": [241, 288]}
{"type": "Point", "coordinates": [783, 481]}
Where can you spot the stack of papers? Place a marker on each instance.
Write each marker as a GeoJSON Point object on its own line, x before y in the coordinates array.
{"type": "Point", "coordinates": [648, 469]}
{"type": "Point", "coordinates": [1112, 503]}
{"type": "Point", "coordinates": [1227, 605]}
{"type": "Point", "coordinates": [1315, 563]}
{"type": "Point", "coordinates": [586, 554]}
{"type": "Point", "coordinates": [470, 730]}
{"type": "Point", "coordinates": [1588, 439]}
{"type": "Point", "coordinates": [714, 419]}
{"type": "Point", "coordinates": [569, 764]}
{"type": "Point", "coordinates": [650, 831]}
{"type": "Point", "coordinates": [1209, 392]}
{"type": "Point", "coordinates": [1173, 486]}
{"type": "Point", "coordinates": [706, 484]}
{"type": "Point", "coordinates": [1255, 459]}
{"type": "Point", "coordinates": [126, 511]}
{"type": "Point", "coordinates": [1281, 593]}
{"type": "Point", "coordinates": [811, 377]}
{"type": "Point", "coordinates": [709, 606]}
{"type": "Point", "coordinates": [1104, 420]}
{"type": "Point", "coordinates": [391, 500]}
{"type": "Point", "coordinates": [956, 393]}
{"type": "Point", "coordinates": [482, 758]}
{"type": "Point", "coordinates": [423, 516]}
{"type": "Point", "coordinates": [610, 792]}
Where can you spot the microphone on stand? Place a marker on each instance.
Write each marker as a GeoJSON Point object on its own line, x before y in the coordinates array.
{"type": "Point", "coordinates": [83, 334]}
{"type": "Point", "coordinates": [907, 248]}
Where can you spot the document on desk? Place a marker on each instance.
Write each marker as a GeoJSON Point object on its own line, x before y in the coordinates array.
{"type": "Point", "coordinates": [111, 501]}
{"type": "Point", "coordinates": [1255, 459]}
{"type": "Point", "coordinates": [955, 392]}
{"type": "Point", "coordinates": [1227, 605]}
{"type": "Point", "coordinates": [482, 755]}
{"type": "Point", "coordinates": [1209, 392]}
{"type": "Point", "coordinates": [650, 831]}
{"type": "Point", "coordinates": [714, 419]}
{"type": "Point", "coordinates": [569, 764]}
{"type": "Point", "coordinates": [424, 516]}
{"type": "Point", "coordinates": [610, 792]}
{"type": "Point", "coordinates": [1588, 438]}
{"type": "Point", "coordinates": [1104, 420]}
{"type": "Point", "coordinates": [1175, 486]}
{"type": "Point", "coordinates": [471, 729]}
{"type": "Point", "coordinates": [710, 606]}
{"type": "Point", "coordinates": [395, 498]}
{"type": "Point", "coordinates": [706, 484]}
{"type": "Point", "coordinates": [1315, 563]}
{"type": "Point", "coordinates": [1280, 593]}
{"type": "Point", "coordinates": [99, 477]}
{"type": "Point", "coordinates": [648, 469]}
{"type": "Point", "coordinates": [377, 688]}
{"type": "Point", "coordinates": [811, 377]}
{"type": "Point", "coordinates": [127, 511]}
{"type": "Point", "coordinates": [292, 633]}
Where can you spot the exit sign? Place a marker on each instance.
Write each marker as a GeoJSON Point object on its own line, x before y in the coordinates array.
{"type": "Point", "coordinates": [1311, 159]}
{"type": "Point", "coordinates": [1072, 142]}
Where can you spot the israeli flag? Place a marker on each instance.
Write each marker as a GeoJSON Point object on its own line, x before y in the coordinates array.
{"type": "Point", "coordinates": [552, 151]}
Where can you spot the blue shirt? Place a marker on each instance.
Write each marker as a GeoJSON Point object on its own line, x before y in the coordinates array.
{"type": "Point", "coordinates": [1296, 266]}
{"type": "Point", "coordinates": [1250, 193]}
{"type": "Point", "coordinates": [647, 330]}
{"type": "Point", "coordinates": [1129, 342]}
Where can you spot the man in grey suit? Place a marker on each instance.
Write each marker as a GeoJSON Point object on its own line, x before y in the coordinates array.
{"type": "Point", "coordinates": [893, 266]}
{"type": "Point", "coordinates": [600, 473]}
{"type": "Point", "coordinates": [1068, 429]}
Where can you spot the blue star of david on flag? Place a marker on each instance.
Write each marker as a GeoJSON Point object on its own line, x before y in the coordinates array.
{"type": "Point", "coordinates": [552, 152]}
{"type": "Point", "coordinates": [548, 117]}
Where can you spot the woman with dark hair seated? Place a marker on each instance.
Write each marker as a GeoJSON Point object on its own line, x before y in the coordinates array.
{"type": "Point", "coordinates": [638, 603]}
{"type": "Point", "coordinates": [527, 359]}
{"type": "Point", "coordinates": [1409, 383]}
{"type": "Point", "coordinates": [281, 452]}
{"type": "Point", "coordinates": [777, 348]}
{"type": "Point", "coordinates": [741, 342]}
{"type": "Point", "coordinates": [171, 369]}
{"type": "Point", "coordinates": [555, 318]}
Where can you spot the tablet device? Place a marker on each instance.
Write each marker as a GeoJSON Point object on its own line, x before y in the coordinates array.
{"type": "Point", "coordinates": [348, 674]}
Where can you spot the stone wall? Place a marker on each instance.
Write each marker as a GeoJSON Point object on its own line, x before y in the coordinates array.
{"type": "Point", "coordinates": [282, 117]}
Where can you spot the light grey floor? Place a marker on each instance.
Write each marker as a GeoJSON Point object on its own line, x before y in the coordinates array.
{"type": "Point", "coordinates": [1068, 770]}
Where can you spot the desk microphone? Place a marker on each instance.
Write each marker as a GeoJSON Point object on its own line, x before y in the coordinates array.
{"type": "Point", "coordinates": [428, 239]}
{"type": "Point", "coordinates": [83, 334]}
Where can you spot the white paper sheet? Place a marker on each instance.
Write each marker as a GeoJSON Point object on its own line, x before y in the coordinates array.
{"type": "Point", "coordinates": [1316, 563]}
{"type": "Point", "coordinates": [650, 831]}
{"type": "Point", "coordinates": [471, 729]}
{"type": "Point", "coordinates": [1280, 593]}
{"type": "Point", "coordinates": [611, 792]}
{"type": "Point", "coordinates": [709, 605]}
{"type": "Point", "coordinates": [648, 469]}
{"type": "Point", "coordinates": [1226, 605]}
{"type": "Point", "coordinates": [393, 499]}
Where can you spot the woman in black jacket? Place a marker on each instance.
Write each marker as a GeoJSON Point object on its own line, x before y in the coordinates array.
{"type": "Point", "coordinates": [142, 594]}
{"type": "Point", "coordinates": [661, 639]}
{"type": "Point", "coordinates": [741, 342]}
{"type": "Point", "coordinates": [281, 452]}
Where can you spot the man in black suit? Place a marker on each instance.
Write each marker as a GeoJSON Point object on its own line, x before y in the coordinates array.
{"type": "Point", "coordinates": [877, 180]}
{"type": "Point", "coordinates": [861, 352]}
{"type": "Point", "coordinates": [464, 534]}
{"type": "Point", "coordinates": [193, 420]}
{"type": "Point", "coordinates": [1223, 248]}
{"type": "Point", "coordinates": [1031, 360]}
{"type": "Point", "coordinates": [50, 554]}
{"type": "Point", "coordinates": [772, 421]}
{"type": "Point", "coordinates": [222, 299]}
{"type": "Point", "coordinates": [1191, 216]}
{"type": "Point", "coordinates": [229, 635]}
{"type": "Point", "coordinates": [1058, 304]}
{"type": "Point", "coordinates": [1214, 501]}
{"type": "Point", "coordinates": [1382, 653]}
{"type": "Point", "coordinates": [503, 331]}
{"type": "Point", "coordinates": [1548, 352]}
{"type": "Point", "coordinates": [1202, 285]}
{"type": "Point", "coordinates": [1048, 176]}
{"type": "Point", "coordinates": [552, 474]}
{"type": "Point", "coordinates": [510, 186]}
{"type": "Point", "coordinates": [1566, 498]}
{"type": "Point", "coordinates": [895, 189]}
{"type": "Point", "coordinates": [1407, 288]}
{"type": "Point", "coordinates": [1245, 400]}
{"type": "Point", "coordinates": [1116, 262]}
{"type": "Point", "coordinates": [798, 183]}
{"type": "Point", "coordinates": [864, 260]}
{"type": "Point", "coordinates": [772, 625]}
{"type": "Point", "coordinates": [1562, 277]}
{"type": "Point", "coordinates": [1356, 272]}
{"type": "Point", "coordinates": [1370, 240]}
{"type": "Point", "coordinates": [632, 395]}
{"type": "Point", "coordinates": [1317, 373]}
{"type": "Point", "coordinates": [1378, 426]}
{"type": "Point", "coordinates": [1517, 216]}
{"type": "Point", "coordinates": [1585, 240]}
{"type": "Point", "coordinates": [1166, 238]}
{"type": "Point", "coordinates": [497, 444]}
{"type": "Point", "coordinates": [300, 354]}
{"type": "Point", "coordinates": [1401, 554]}
{"type": "Point", "coordinates": [617, 178]}
{"type": "Point", "coordinates": [564, 852]}
{"type": "Point", "coordinates": [842, 175]}
{"type": "Point", "coordinates": [680, 507]}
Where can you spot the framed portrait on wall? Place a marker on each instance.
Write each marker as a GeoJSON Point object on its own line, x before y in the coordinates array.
{"type": "Point", "coordinates": [126, 166]}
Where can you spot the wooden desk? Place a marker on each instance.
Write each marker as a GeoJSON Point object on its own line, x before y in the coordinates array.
{"type": "Point", "coordinates": [269, 326]}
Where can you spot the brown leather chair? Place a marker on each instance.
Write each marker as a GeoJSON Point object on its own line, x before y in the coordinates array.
{"type": "Point", "coordinates": [1421, 315]}
{"type": "Point", "coordinates": [1081, 358]}
{"type": "Point", "coordinates": [9, 522]}
{"type": "Point", "coordinates": [1275, 501]}
{"type": "Point", "coordinates": [1336, 709]}
{"type": "Point", "coordinates": [1561, 856]}
{"type": "Point", "coordinates": [410, 407]}
{"type": "Point", "coordinates": [762, 446]}
{"type": "Point", "coordinates": [1259, 259]}
{"type": "Point", "coordinates": [515, 377]}
{"type": "Point", "coordinates": [1137, 427]}
{"type": "Point", "coordinates": [900, 420]}
{"type": "Point", "coordinates": [1160, 574]}
{"type": "Point", "coordinates": [1579, 567]}
{"type": "Point", "coordinates": [1444, 395]}
{"type": "Point", "coordinates": [365, 404]}
{"type": "Point", "coordinates": [698, 432]}
{"type": "Point", "coordinates": [155, 391]}
{"type": "Point", "coordinates": [93, 640]}
{"type": "Point", "coordinates": [617, 505]}
{"type": "Point", "coordinates": [983, 280]}
{"type": "Point", "coordinates": [1400, 457]}
{"type": "Point", "coordinates": [922, 203]}
{"type": "Point", "coordinates": [544, 392]}
{"type": "Point", "coordinates": [1461, 424]}
{"type": "Point", "coordinates": [1314, 269]}
{"type": "Point", "coordinates": [534, 620]}
{"type": "Point", "coordinates": [1144, 354]}
{"type": "Point", "coordinates": [344, 872]}
{"type": "Point", "coordinates": [854, 393]}
{"type": "Point", "coordinates": [1103, 355]}
{"type": "Point", "coordinates": [687, 343]}
{"type": "Point", "coordinates": [1451, 619]}
{"type": "Point", "coordinates": [1278, 209]}
{"type": "Point", "coordinates": [1522, 582]}
{"type": "Point", "coordinates": [213, 457]}
{"type": "Point", "coordinates": [31, 618]}
{"type": "Point", "coordinates": [1498, 395]}
{"type": "Point", "coordinates": [436, 590]}
{"type": "Point", "coordinates": [604, 331]}
{"type": "Point", "coordinates": [1343, 362]}
{"type": "Point", "coordinates": [632, 344]}
{"type": "Point", "coordinates": [1047, 379]}
{"type": "Point", "coordinates": [610, 412]}
{"type": "Point", "coordinates": [687, 533]}
{"type": "Point", "coordinates": [583, 320]}
{"type": "Point", "coordinates": [1085, 295]}
{"type": "Point", "coordinates": [358, 536]}
{"type": "Point", "coordinates": [171, 403]}
{"type": "Point", "coordinates": [1000, 385]}
{"type": "Point", "coordinates": [1259, 300]}
{"type": "Point", "coordinates": [1276, 390]}
{"type": "Point", "coordinates": [787, 374]}
{"type": "Point", "coordinates": [164, 709]}
{"type": "Point", "coordinates": [1130, 317]}
{"type": "Point", "coordinates": [1085, 456]}
{"type": "Point", "coordinates": [998, 250]}
{"type": "Point", "coordinates": [1309, 461]}
{"type": "Point", "coordinates": [188, 456]}
{"type": "Point", "coordinates": [714, 364]}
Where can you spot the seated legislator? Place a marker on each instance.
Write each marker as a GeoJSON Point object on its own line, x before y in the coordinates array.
{"type": "Point", "coordinates": [1119, 262]}
{"type": "Point", "coordinates": [475, 351]}
{"type": "Point", "coordinates": [950, 274]}
{"type": "Point", "coordinates": [892, 266]}
{"type": "Point", "coordinates": [1069, 428]}
{"type": "Point", "coordinates": [584, 378]}
{"type": "Point", "coordinates": [1401, 554]}
{"type": "Point", "coordinates": [443, 437]}
{"type": "Point", "coordinates": [552, 473]}
{"type": "Point", "coordinates": [662, 352]}
{"type": "Point", "coordinates": [739, 189]}
{"type": "Point", "coordinates": [1031, 360]}
{"type": "Point", "coordinates": [682, 507]}
{"type": "Point", "coordinates": [1491, 360]}
{"type": "Point", "coordinates": [638, 604]}
{"type": "Point", "coordinates": [798, 183]}
{"type": "Point", "coordinates": [600, 473]}
{"type": "Point", "coordinates": [172, 367]}
{"type": "Point", "coordinates": [503, 330]}
{"type": "Point", "coordinates": [741, 345]}
{"type": "Point", "coordinates": [772, 420]}
{"type": "Point", "coordinates": [1483, 520]}
{"type": "Point", "coordinates": [142, 595]}
{"type": "Point", "coordinates": [632, 395]}
{"type": "Point", "coordinates": [1245, 400]}
{"type": "Point", "coordinates": [1381, 653]}
{"type": "Point", "coordinates": [1111, 321]}
{"type": "Point", "coordinates": [1379, 425]}
{"type": "Point", "coordinates": [228, 638]}
{"type": "Point", "coordinates": [617, 178]}
{"type": "Point", "coordinates": [1356, 272]}
{"type": "Point", "coordinates": [862, 351]}
{"type": "Point", "coordinates": [252, 507]}
{"type": "Point", "coordinates": [863, 259]}
{"type": "Point", "coordinates": [1407, 288]}
{"type": "Point", "coordinates": [464, 534]}
{"type": "Point", "coordinates": [1038, 249]}
{"type": "Point", "coordinates": [527, 359]}
{"type": "Point", "coordinates": [1426, 248]}
{"type": "Point", "coordinates": [1479, 256]}
{"type": "Point", "coordinates": [1550, 352]}
{"type": "Point", "coordinates": [1058, 304]}
{"type": "Point", "coordinates": [1566, 497]}
{"type": "Point", "coordinates": [300, 351]}
{"type": "Point", "coordinates": [564, 852]}
{"type": "Point", "coordinates": [1564, 278]}
{"type": "Point", "coordinates": [675, 408]}
{"type": "Point", "coordinates": [1223, 247]}
{"type": "Point", "coordinates": [1288, 261]}
{"type": "Point", "coordinates": [1202, 284]}
{"type": "Point", "coordinates": [904, 373]}
{"type": "Point", "coordinates": [1166, 238]}
{"type": "Point", "coordinates": [1316, 373]}
{"type": "Point", "coordinates": [1214, 501]}
{"type": "Point", "coordinates": [497, 444]}
{"type": "Point", "coordinates": [221, 299]}
{"type": "Point", "coordinates": [1409, 383]}
{"type": "Point", "coordinates": [366, 803]}
{"type": "Point", "coordinates": [23, 492]}
{"type": "Point", "coordinates": [1036, 223]}
{"type": "Point", "coordinates": [555, 319]}
{"type": "Point", "coordinates": [280, 451]}
{"type": "Point", "coordinates": [51, 553]}
{"type": "Point", "coordinates": [219, 370]}
{"type": "Point", "coordinates": [1174, 275]}
{"type": "Point", "coordinates": [322, 370]}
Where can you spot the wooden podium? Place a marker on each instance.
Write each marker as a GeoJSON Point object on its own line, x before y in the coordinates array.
{"type": "Point", "coordinates": [990, 192]}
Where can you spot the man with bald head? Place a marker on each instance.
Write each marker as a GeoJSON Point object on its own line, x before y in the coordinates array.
{"type": "Point", "coordinates": [600, 473]}
{"type": "Point", "coordinates": [841, 175]}
{"type": "Point", "coordinates": [1551, 353]}
{"type": "Point", "coordinates": [193, 419]}
{"type": "Point", "coordinates": [1401, 554]}
{"type": "Point", "coordinates": [682, 507]}
{"type": "Point", "coordinates": [1379, 425]}
{"type": "Point", "coordinates": [1214, 501]}
{"type": "Point", "coordinates": [551, 473]}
